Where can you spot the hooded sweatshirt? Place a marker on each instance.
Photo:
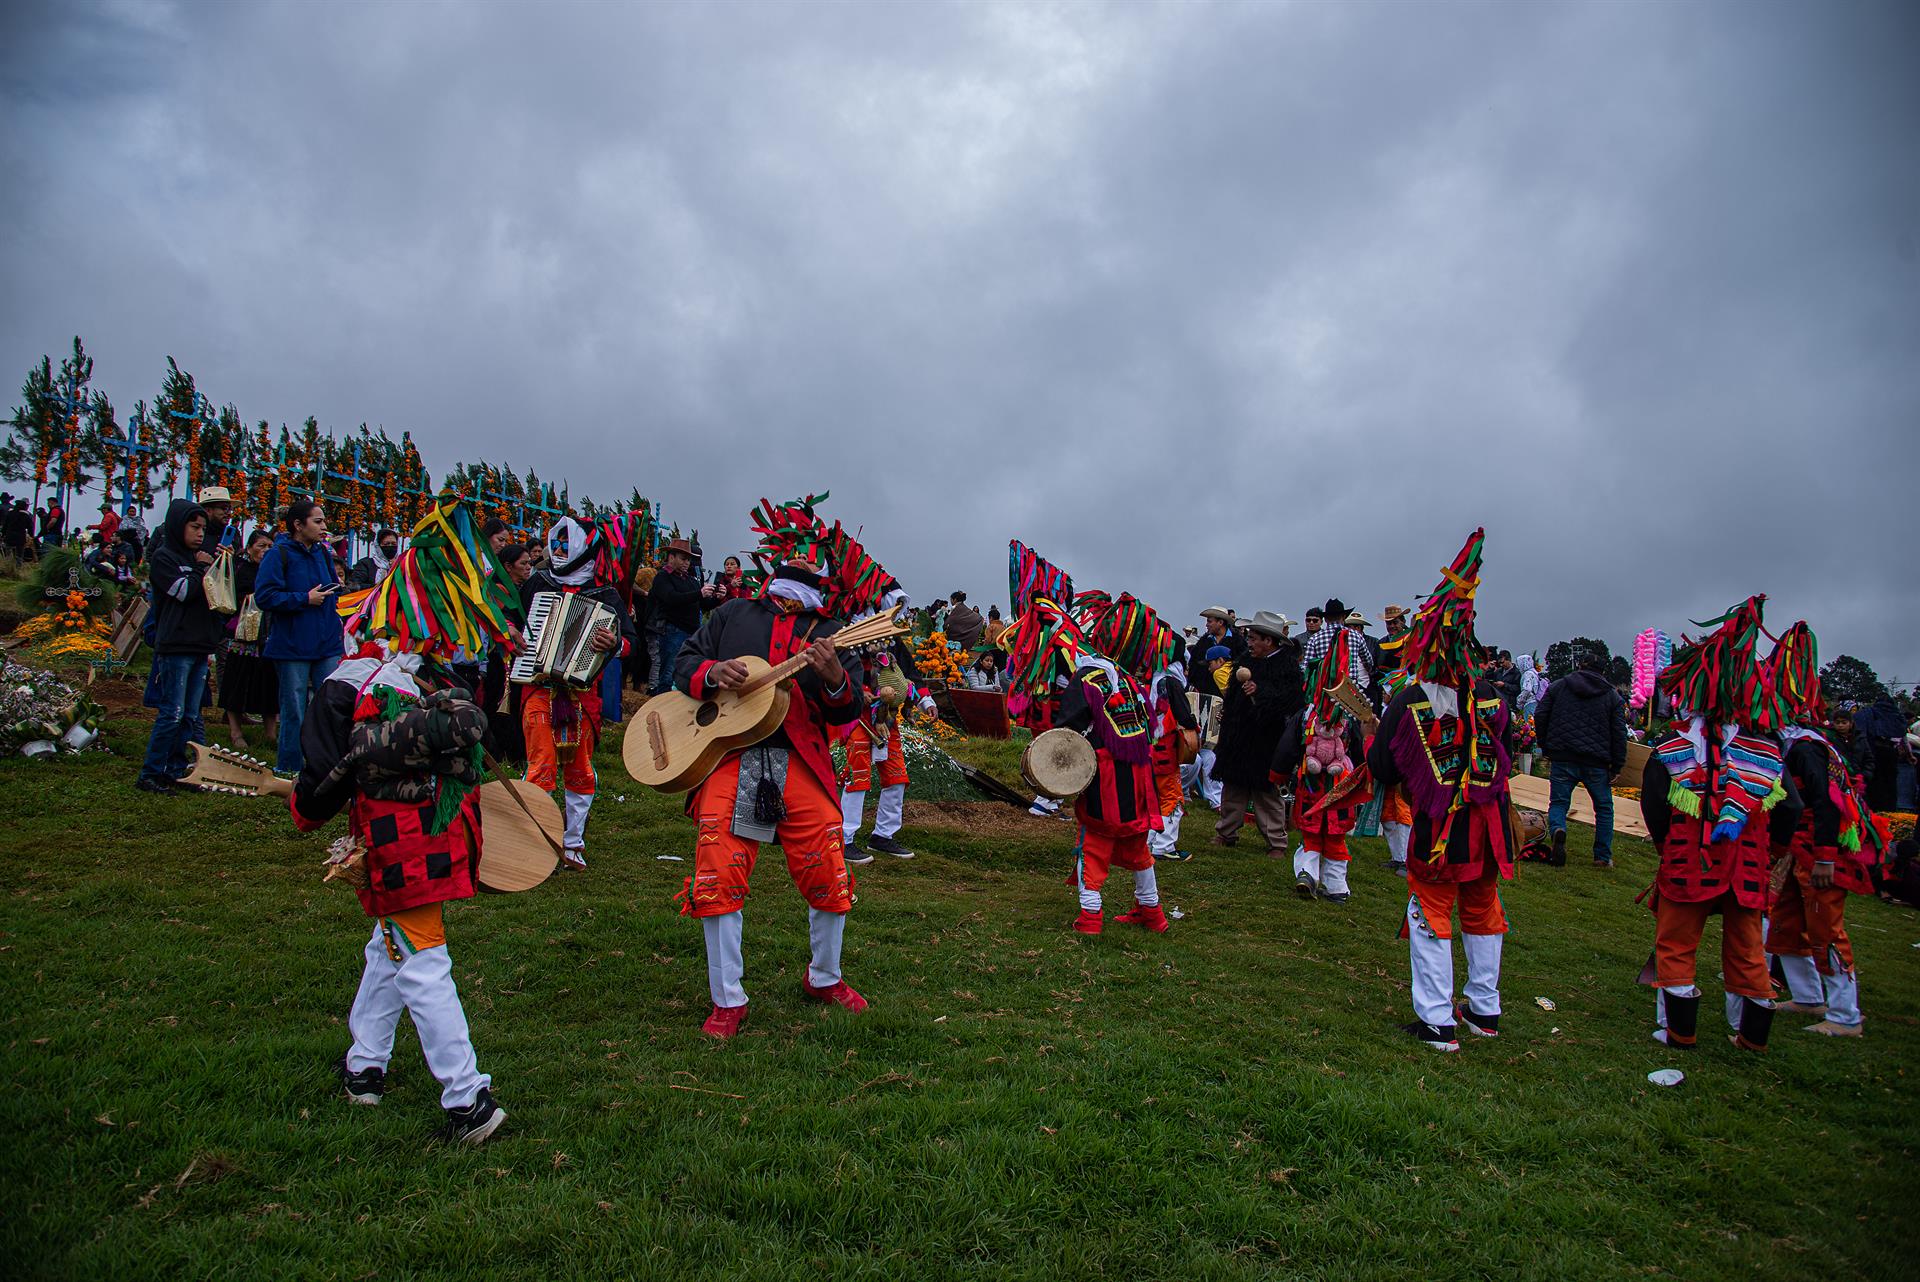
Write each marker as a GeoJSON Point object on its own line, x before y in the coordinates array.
{"type": "Point", "coordinates": [183, 621]}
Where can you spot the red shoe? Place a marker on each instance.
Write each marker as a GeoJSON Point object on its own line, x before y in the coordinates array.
{"type": "Point", "coordinates": [724, 1022]}
{"type": "Point", "coordinates": [1088, 922]}
{"type": "Point", "coordinates": [1149, 915]}
{"type": "Point", "coordinates": [840, 994]}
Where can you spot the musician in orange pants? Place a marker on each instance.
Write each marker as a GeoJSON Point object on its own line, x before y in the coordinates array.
{"type": "Point", "coordinates": [561, 724]}
{"type": "Point", "coordinates": [888, 815]}
{"type": "Point", "coordinates": [781, 789]}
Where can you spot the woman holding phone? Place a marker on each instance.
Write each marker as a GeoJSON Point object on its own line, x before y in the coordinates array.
{"type": "Point", "coordinates": [295, 585]}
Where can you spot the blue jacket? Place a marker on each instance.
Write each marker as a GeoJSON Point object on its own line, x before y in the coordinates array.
{"type": "Point", "coordinates": [298, 630]}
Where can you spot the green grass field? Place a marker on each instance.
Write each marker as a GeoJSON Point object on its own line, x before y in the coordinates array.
{"type": "Point", "coordinates": [1229, 1100]}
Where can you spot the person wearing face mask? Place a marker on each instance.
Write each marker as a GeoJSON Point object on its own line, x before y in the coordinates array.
{"type": "Point", "coordinates": [370, 569]}
{"type": "Point", "coordinates": [782, 789]}
{"type": "Point", "coordinates": [558, 721]}
{"type": "Point", "coordinates": [185, 634]}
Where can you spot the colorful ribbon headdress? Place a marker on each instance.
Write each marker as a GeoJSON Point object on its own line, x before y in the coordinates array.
{"type": "Point", "coordinates": [1721, 678]}
{"type": "Point", "coordinates": [1440, 647]}
{"type": "Point", "coordinates": [447, 591]}
{"type": "Point", "coordinates": [1030, 575]}
{"type": "Point", "coordinates": [855, 582]}
{"type": "Point", "coordinates": [1794, 672]}
{"type": "Point", "coordinates": [1125, 630]}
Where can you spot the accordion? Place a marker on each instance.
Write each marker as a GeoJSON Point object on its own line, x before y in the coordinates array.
{"type": "Point", "coordinates": [560, 630]}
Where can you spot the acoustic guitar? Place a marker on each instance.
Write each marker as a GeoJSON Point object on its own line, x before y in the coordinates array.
{"type": "Point", "coordinates": [676, 741]}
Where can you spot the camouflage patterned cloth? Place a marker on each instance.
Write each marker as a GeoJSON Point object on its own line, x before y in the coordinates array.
{"type": "Point", "coordinates": [405, 757]}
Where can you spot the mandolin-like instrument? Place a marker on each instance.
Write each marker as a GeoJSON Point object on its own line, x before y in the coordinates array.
{"type": "Point", "coordinates": [224, 770]}
{"type": "Point", "coordinates": [676, 741]}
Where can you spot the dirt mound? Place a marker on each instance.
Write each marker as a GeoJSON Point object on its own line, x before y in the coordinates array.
{"type": "Point", "coordinates": [980, 819]}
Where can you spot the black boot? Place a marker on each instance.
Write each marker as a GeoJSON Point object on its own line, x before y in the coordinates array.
{"type": "Point", "coordinates": [1683, 1021]}
{"type": "Point", "coordinates": [1756, 1021]}
{"type": "Point", "coordinates": [1557, 856]}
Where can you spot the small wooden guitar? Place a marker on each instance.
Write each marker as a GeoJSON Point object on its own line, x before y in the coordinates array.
{"type": "Point", "coordinates": [676, 741]}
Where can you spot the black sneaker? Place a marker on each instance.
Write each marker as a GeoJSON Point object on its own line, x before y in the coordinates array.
{"type": "Point", "coordinates": [1479, 1025]}
{"type": "Point", "coordinates": [855, 855]}
{"type": "Point", "coordinates": [472, 1124]}
{"type": "Point", "coordinates": [1303, 886]}
{"type": "Point", "coordinates": [1557, 856]}
{"type": "Point", "coordinates": [158, 787]}
{"type": "Point", "coordinates": [363, 1087]}
{"type": "Point", "coordinates": [1441, 1039]}
{"type": "Point", "coordinates": [1177, 856]}
{"type": "Point", "coordinates": [888, 846]}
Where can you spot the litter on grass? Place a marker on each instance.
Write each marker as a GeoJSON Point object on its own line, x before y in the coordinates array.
{"type": "Point", "coordinates": [1544, 1003]}
{"type": "Point", "coordinates": [1666, 1077]}
{"type": "Point", "coordinates": [1176, 914]}
{"type": "Point", "coordinates": [678, 859]}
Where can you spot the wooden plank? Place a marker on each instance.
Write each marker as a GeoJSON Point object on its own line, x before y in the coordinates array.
{"type": "Point", "coordinates": [1535, 794]}
{"type": "Point", "coordinates": [981, 712]}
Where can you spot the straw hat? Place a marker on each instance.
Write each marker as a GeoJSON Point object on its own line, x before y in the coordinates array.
{"type": "Point", "coordinates": [1270, 623]}
{"type": "Point", "coordinates": [214, 494]}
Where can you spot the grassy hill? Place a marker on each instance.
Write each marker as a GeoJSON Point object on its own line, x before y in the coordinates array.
{"type": "Point", "coordinates": [1230, 1100]}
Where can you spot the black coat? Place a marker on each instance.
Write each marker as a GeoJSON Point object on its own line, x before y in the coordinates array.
{"type": "Point", "coordinates": [1250, 728]}
{"type": "Point", "coordinates": [676, 599]}
{"type": "Point", "coordinates": [1582, 722]}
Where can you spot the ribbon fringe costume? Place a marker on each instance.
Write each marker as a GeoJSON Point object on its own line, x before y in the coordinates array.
{"type": "Point", "coordinates": [561, 725]}
{"type": "Point", "coordinates": [784, 788]}
{"type": "Point", "coordinates": [1834, 842]}
{"type": "Point", "coordinates": [403, 763]}
{"type": "Point", "coordinates": [1704, 793]}
{"type": "Point", "coordinates": [1063, 678]}
{"type": "Point", "coordinates": [863, 753]}
{"type": "Point", "coordinates": [1323, 817]}
{"type": "Point", "coordinates": [1444, 740]}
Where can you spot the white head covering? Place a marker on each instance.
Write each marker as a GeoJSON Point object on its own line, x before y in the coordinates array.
{"type": "Point", "coordinates": [570, 552]}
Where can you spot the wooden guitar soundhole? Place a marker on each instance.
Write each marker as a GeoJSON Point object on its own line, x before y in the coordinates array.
{"type": "Point", "coordinates": [708, 712]}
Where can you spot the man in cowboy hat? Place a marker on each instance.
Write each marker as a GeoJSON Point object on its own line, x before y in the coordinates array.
{"type": "Point", "coordinates": [1218, 621]}
{"type": "Point", "coordinates": [675, 598]}
{"type": "Point", "coordinates": [1263, 694]}
{"type": "Point", "coordinates": [221, 533]}
{"type": "Point", "coordinates": [1395, 617]}
{"type": "Point", "coordinates": [1356, 623]}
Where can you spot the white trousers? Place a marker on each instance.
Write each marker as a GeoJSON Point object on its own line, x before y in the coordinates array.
{"type": "Point", "coordinates": [1840, 991]}
{"type": "Point", "coordinates": [577, 806]}
{"type": "Point", "coordinates": [422, 986]}
{"type": "Point", "coordinates": [1146, 892]}
{"type": "Point", "coordinates": [1431, 963]}
{"type": "Point", "coordinates": [727, 962]}
{"type": "Point", "coordinates": [887, 816]}
{"type": "Point", "coordinates": [1201, 779]}
{"type": "Point", "coordinates": [1167, 839]}
{"type": "Point", "coordinates": [1397, 838]}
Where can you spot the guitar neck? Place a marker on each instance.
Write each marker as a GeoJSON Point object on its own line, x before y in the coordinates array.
{"type": "Point", "coordinates": [775, 675]}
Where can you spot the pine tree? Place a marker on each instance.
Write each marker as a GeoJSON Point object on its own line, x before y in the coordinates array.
{"type": "Point", "coordinates": [1850, 680]}
{"type": "Point", "coordinates": [1564, 656]}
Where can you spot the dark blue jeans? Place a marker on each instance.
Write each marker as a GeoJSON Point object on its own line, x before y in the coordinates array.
{"type": "Point", "coordinates": [671, 639]}
{"type": "Point", "coordinates": [177, 683]}
{"type": "Point", "coordinates": [299, 681]}
{"type": "Point", "coordinates": [1599, 785]}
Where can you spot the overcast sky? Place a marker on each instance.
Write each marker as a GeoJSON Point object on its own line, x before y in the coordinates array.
{"type": "Point", "coordinates": [1237, 303]}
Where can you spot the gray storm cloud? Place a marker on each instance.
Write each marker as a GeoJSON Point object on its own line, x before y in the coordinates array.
{"type": "Point", "coordinates": [1249, 303]}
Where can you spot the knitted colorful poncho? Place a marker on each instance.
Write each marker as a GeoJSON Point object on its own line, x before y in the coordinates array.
{"type": "Point", "coordinates": [1720, 768]}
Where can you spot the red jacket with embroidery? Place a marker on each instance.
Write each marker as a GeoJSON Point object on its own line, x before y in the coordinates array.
{"type": "Point", "coordinates": [762, 629]}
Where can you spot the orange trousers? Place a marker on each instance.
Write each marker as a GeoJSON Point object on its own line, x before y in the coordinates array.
{"type": "Point", "coordinates": [1394, 808]}
{"type": "Point", "coordinates": [893, 770]}
{"type": "Point", "coordinates": [1167, 784]}
{"type": "Point", "coordinates": [1100, 852]}
{"type": "Point", "coordinates": [1328, 845]}
{"type": "Point", "coordinates": [809, 836]}
{"type": "Point", "coordinates": [543, 754]}
{"type": "Point", "coordinates": [1481, 912]}
{"type": "Point", "coordinates": [1807, 919]}
{"type": "Point", "coordinates": [1676, 944]}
